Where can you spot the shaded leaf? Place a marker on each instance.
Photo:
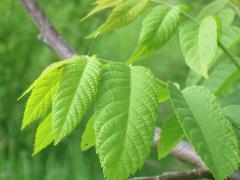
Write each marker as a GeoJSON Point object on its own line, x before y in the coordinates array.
{"type": "Point", "coordinates": [170, 135]}
{"type": "Point", "coordinates": [207, 129]}
{"type": "Point", "coordinates": [220, 76]}
{"type": "Point", "coordinates": [212, 8]}
{"type": "Point", "coordinates": [233, 113]}
{"type": "Point", "coordinates": [162, 91]}
{"type": "Point", "coordinates": [88, 137]}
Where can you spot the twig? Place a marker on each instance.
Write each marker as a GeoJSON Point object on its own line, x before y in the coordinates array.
{"type": "Point", "coordinates": [183, 151]}
{"type": "Point", "coordinates": [48, 34]}
{"type": "Point", "coordinates": [180, 175]}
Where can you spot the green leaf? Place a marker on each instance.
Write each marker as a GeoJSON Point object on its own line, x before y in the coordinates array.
{"type": "Point", "coordinates": [43, 91]}
{"type": "Point", "coordinates": [207, 129]}
{"type": "Point", "coordinates": [127, 113]}
{"type": "Point", "coordinates": [199, 44]}
{"type": "Point", "coordinates": [192, 78]}
{"type": "Point", "coordinates": [158, 27]}
{"type": "Point", "coordinates": [170, 135]}
{"type": "Point", "coordinates": [220, 75]}
{"type": "Point", "coordinates": [162, 91]}
{"type": "Point", "coordinates": [122, 15]}
{"type": "Point", "coordinates": [230, 36]}
{"type": "Point", "coordinates": [233, 113]}
{"type": "Point", "coordinates": [48, 70]}
{"type": "Point", "coordinates": [226, 16]}
{"type": "Point", "coordinates": [44, 135]}
{"type": "Point", "coordinates": [88, 137]}
{"type": "Point", "coordinates": [102, 5]}
{"type": "Point", "coordinates": [212, 8]}
{"type": "Point", "coordinates": [74, 96]}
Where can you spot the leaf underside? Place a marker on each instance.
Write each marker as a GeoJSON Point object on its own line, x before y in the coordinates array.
{"type": "Point", "coordinates": [233, 113]}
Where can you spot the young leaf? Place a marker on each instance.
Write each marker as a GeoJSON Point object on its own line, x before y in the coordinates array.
{"type": "Point", "coordinates": [122, 15]}
{"type": "Point", "coordinates": [233, 113]}
{"type": "Point", "coordinates": [88, 137]}
{"type": "Point", "coordinates": [158, 27]}
{"type": "Point", "coordinates": [170, 135]}
{"type": "Point", "coordinates": [74, 96]}
{"type": "Point", "coordinates": [44, 135]}
{"type": "Point", "coordinates": [124, 127]}
{"type": "Point", "coordinates": [199, 44]}
{"type": "Point", "coordinates": [102, 5]}
{"type": "Point", "coordinates": [206, 128]}
{"type": "Point", "coordinates": [212, 8]}
{"type": "Point", "coordinates": [44, 88]}
{"type": "Point", "coordinates": [47, 71]}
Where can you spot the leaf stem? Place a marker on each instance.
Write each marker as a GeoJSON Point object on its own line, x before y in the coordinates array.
{"type": "Point", "coordinates": [224, 49]}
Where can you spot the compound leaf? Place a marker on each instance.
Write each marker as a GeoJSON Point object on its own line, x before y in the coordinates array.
{"type": "Point", "coordinates": [199, 44]}
{"type": "Point", "coordinates": [75, 94]}
{"type": "Point", "coordinates": [158, 27]}
{"type": "Point", "coordinates": [127, 113]}
{"type": "Point", "coordinates": [206, 127]}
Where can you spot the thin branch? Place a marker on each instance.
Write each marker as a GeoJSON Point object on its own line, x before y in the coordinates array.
{"type": "Point", "coordinates": [180, 175]}
{"type": "Point", "coordinates": [48, 34]}
{"type": "Point", "coordinates": [183, 151]}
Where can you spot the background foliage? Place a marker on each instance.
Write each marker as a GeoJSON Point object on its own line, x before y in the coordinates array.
{"type": "Point", "coordinates": [23, 57]}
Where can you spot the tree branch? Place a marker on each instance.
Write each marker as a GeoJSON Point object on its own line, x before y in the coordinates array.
{"type": "Point", "coordinates": [180, 175]}
{"type": "Point", "coordinates": [48, 34]}
{"type": "Point", "coordinates": [183, 151]}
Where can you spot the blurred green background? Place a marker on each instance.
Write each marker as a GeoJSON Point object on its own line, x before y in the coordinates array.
{"type": "Point", "coordinates": [23, 57]}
